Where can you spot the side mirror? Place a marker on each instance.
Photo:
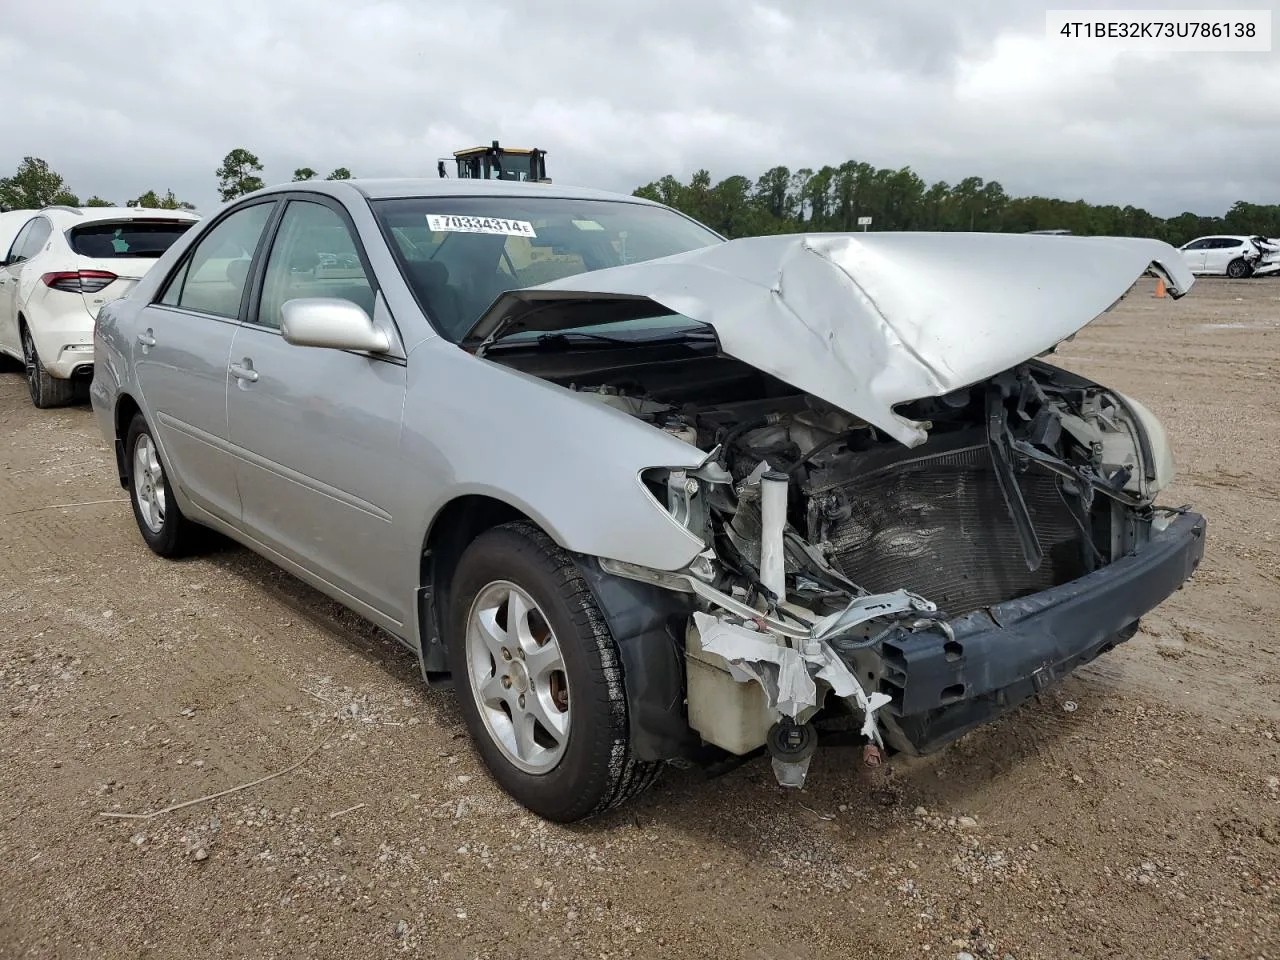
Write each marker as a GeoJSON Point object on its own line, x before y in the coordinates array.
{"type": "Point", "coordinates": [327, 322]}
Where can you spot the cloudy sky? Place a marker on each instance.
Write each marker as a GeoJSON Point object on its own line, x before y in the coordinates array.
{"type": "Point", "coordinates": [121, 97]}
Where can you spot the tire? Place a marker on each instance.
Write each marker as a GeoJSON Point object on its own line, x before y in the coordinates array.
{"type": "Point", "coordinates": [1238, 269]}
{"type": "Point", "coordinates": [160, 520]}
{"type": "Point", "coordinates": [590, 767]}
{"type": "Point", "coordinates": [45, 391]}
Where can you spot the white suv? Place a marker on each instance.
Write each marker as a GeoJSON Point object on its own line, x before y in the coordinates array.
{"type": "Point", "coordinates": [63, 264]}
{"type": "Point", "coordinates": [1227, 256]}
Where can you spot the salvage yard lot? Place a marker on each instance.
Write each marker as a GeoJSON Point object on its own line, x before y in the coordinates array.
{"type": "Point", "coordinates": [1133, 811]}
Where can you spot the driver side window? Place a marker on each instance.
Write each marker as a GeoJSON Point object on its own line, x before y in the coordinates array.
{"type": "Point", "coordinates": [314, 255]}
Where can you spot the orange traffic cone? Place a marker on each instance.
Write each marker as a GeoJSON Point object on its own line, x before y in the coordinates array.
{"type": "Point", "coordinates": [1159, 287]}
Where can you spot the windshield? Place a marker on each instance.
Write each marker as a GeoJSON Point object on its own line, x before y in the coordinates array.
{"type": "Point", "coordinates": [127, 238]}
{"type": "Point", "coordinates": [459, 254]}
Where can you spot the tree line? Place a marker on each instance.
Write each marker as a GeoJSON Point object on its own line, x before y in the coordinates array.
{"type": "Point", "coordinates": [833, 198]}
{"type": "Point", "coordinates": [35, 185]}
{"type": "Point", "coordinates": [779, 201]}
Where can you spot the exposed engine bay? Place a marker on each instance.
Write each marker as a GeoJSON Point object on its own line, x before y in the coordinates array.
{"type": "Point", "coordinates": [1027, 481]}
{"type": "Point", "coordinates": [831, 544]}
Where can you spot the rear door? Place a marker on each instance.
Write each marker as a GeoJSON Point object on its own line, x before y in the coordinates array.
{"type": "Point", "coordinates": [113, 255]}
{"type": "Point", "coordinates": [9, 274]}
{"type": "Point", "coordinates": [317, 431]}
{"type": "Point", "coordinates": [1221, 251]}
{"type": "Point", "coordinates": [182, 351]}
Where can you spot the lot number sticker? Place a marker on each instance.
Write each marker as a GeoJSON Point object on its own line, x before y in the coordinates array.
{"type": "Point", "coordinates": [452, 223]}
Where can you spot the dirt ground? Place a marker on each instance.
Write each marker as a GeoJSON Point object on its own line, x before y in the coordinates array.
{"type": "Point", "coordinates": [1132, 812]}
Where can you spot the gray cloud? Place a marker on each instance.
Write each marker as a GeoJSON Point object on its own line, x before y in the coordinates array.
{"type": "Point", "coordinates": [121, 98]}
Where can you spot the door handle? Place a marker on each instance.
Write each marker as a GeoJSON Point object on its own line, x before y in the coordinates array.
{"type": "Point", "coordinates": [146, 339]}
{"type": "Point", "coordinates": [244, 371]}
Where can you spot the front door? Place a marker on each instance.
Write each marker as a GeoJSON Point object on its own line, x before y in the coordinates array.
{"type": "Point", "coordinates": [181, 355]}
{"type": "Point", "coordinates": [1193, 253]}
{"type": "Point", "coordinates": [316, 430]}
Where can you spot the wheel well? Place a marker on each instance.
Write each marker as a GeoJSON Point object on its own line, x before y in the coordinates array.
{"type": "Point", "coordinates": [126, 409]}
{"type": "Point", "coordinates": [452, 531]}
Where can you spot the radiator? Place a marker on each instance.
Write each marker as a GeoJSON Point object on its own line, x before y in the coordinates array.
{"type": "Point", "coordinates": [935, 523]}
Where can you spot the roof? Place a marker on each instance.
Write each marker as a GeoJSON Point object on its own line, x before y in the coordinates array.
{"type": "Point", "coordinates": [441, 187]}
{"type": "Point", "coordinates": [469, 151]}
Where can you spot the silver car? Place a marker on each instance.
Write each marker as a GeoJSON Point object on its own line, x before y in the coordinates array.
{"type": "Point", "coordinates": [645, 495]}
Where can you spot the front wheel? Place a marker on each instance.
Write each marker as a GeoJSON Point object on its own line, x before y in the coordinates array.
{"type": "Point", "coordinates": [1238, 269]}
{"type": "Point", "coordinates": [160, 521]}
{"type": "Point", "coordinates": [543, 693]}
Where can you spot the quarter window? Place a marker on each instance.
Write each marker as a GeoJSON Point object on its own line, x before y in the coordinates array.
{"type": "Point", "coordinates": [13, 255]}
{"type": "Point", "coordinates": [214, 277]}
{"type": "Point", "coordinates": [31, 240]}
{"type": "Point", "coordinates": [314, 255]}
{"type": "Point", "coordinates": [36, 239]}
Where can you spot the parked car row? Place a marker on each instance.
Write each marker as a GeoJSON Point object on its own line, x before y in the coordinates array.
{"type": "Point", "coordinates": [693, 500]}
{"type": "Point", "coordinates": [61, 264]}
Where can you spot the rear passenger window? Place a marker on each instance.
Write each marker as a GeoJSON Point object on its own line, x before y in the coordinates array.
{"type": "Point", "coordinates": [214, 277]}
{"type": "Point", "coordinates": [314, 255]}
{"type": "Point", "coordinates": [174, 290]}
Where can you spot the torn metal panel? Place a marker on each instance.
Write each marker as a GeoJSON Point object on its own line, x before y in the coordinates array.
{"type": "Point", "coordinates": [862, 609]}
{"type": "Point", "coordinates": [864, 321]}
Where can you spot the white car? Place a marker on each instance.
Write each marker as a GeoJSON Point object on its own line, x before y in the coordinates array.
{"type": "Point", "coordinates": [1223, 256]}
{"type": "Point", "coordinates": [60, 266]}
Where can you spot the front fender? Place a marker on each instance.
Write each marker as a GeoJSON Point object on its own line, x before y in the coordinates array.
{"type": "Point", "coordinates": [569, 463]}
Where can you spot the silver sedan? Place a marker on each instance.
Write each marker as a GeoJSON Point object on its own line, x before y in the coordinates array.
{"type": "Point", "coordinates": [644, 494]}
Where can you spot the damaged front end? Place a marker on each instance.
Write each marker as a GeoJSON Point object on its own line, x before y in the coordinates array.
{"type": "Point", "coordinates": [905, 521]}
{"type": "Point", "coordinates": [846, 573]}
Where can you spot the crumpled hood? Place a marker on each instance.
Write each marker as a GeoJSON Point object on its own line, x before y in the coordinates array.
{"type": "Point", "coordinates": [865, 321]}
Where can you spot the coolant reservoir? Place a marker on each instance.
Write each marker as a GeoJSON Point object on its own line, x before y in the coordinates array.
{"type": "Point", "coordinates": [734, 716]}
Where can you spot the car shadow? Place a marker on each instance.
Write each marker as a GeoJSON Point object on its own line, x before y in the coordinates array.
{"type": "Point", "coordinates": [841, 798]}
{"type": "Point", "coordinates": [340, 624]}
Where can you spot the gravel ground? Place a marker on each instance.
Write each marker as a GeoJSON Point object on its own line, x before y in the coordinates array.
{"type": "Point", "coordinates": [1134, 811]}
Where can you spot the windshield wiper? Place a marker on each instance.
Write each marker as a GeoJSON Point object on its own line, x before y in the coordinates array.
{"type": "Point", "coordinates": [567, 338]}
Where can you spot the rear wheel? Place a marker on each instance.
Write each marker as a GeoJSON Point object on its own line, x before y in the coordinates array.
{"type": "Point", "coordinates": [46, 391]}
{"type": "Point", "coordinates": [163, 527]}
{"type": "Point", "coordinates": [543, 693]}
{"type": "Point", "coordinates": [1238, 269]}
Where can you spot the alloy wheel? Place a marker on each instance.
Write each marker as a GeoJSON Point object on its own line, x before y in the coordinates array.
{"type": "Point", "coordinates": [517, 674]}
{"type": "Point", "coordinates": [31, 360]}
{"type": "Point", "coordinates": [148, 483]}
